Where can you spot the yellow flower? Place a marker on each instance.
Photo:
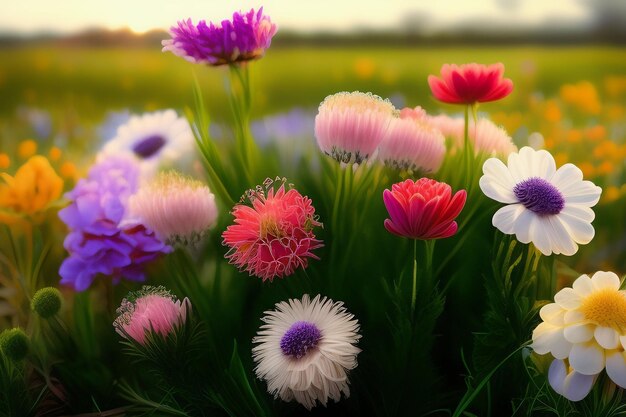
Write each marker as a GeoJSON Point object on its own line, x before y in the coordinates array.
{"type": "Point", "coordinates": [69, 171]}
{"type": "Point", "coordinates": [27, 148]}
{"type": "Point", "coordinates": [55, 154]}
{"type": "Point", "coordinates": [5, 161]}
{"type": "Point", "coordinates": [33, 187]}
{"type": "Point", "coordinates": [587, 325]}
{"type": "Point", "coordinates": [583, 95]}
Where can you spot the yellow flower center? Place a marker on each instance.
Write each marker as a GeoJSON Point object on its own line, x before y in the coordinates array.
{"type": "Point", "coordinates": [269, 226]}
{"type": "Point", "coordinates": [607, 308]}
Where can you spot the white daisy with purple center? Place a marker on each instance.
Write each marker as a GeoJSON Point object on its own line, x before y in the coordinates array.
{"type": "Point", "coordinates": [156, 140]}
{"type": "Point", "coordinates": [305, 350]}
{"type": "Point", "coordinates": [550, 208]}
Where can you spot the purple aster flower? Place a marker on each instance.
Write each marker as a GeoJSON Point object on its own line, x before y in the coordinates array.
{"type": "Point", "coordinates": [243, 38]}
{"type": "Point", "coordinates": [98, 243]}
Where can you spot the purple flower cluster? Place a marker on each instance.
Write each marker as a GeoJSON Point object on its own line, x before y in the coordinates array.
{"type": "Point", "coordinates": [244, 38]}
{"type": "Point", "coordinates": [97, 243]}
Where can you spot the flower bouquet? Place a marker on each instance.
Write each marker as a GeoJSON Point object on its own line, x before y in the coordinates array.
{"type": "Point", "coordinates": [405, 264]}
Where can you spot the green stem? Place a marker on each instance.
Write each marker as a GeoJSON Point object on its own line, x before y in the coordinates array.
{"type": "Point", "coordinates": [241, 98]}
{"type": "Point", "coordinates": [414, 293]}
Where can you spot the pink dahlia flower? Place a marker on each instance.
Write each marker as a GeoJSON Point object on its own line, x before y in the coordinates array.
{"type": "Point", "coordinates": [423, 209]}
{"type": "Point", "coordinates": [244, 38]}
{"type": "Point", "coordinates": [470, 83]}
{"type": "Point", "coordinates": [412, 144]}
{"type": "Point", "coordinates": [350, 126]}
{"type": "Point", "coordinates": [273, 237]}
{"type": "Point", "coordinates": [152, 309]}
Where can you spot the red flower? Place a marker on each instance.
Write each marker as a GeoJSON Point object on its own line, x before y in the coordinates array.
{"type": "Point", "coordinates": [275, 236]}
{"type": "Point", "coordinates": [470, 83]}
{"type": "Point", "coordinates": [423, 209]}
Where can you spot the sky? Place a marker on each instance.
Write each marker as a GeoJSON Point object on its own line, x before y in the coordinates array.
{"type": "Point", "coordinates": [67, 16]}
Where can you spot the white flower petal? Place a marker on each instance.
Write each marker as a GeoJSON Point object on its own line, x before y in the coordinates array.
{"type": "Point", "coordinates": [577, 386]}
{"type": "Point", "coordinates": [540, 235]}
{"type": "Point", "coordinates": [580, 230]}
{"type": "Point", "coordinates": [549, 338]}
{"type": "Point", "coordinates": [529, 163]}
{"type": "Point", "coordinates": [552, 313]}
{"type": "Point", "coordinates": [568, 299]}
{"type": "Point", "coordinates": [561, 240]}
{"type": "Point", "coordinates": [556, 375]}
{"type": "Point", "coordinates": [587, 359]}
{"type": "Point", "coordinates": [605, 280]}
{"type": "Point", "coordinates": [523, 226]}
{"type": "Point", "coordinates": [497, 183]}
{"type": "Point", "coordinates": [567, 177]}
{"type": "Point", "coordinates": [616, 367]}
{"type": "Point", "coordinates": [573, 316]}
{"type": "Point", "coordinates": [578, 333]}
{"type": "Point", "coordinates": [606, 337]}
{"type": "Point", "coordinates": [573, 386]}
{"type": "Point", "coordinates": [583, 285]}
{"type": "Point", "coordinates": [579, 211]}
{"type": "Point", "coordinates": [584, 193]}
{"type": "Point", "coordinates": [505, 218]}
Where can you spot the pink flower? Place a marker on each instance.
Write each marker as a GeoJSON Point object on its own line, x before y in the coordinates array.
{"type": "Point", "coordinates": [350, 126]}
{"type": "Point", "coordinates": [423, 209]}
{"type": "Point", "coordinates": [412, 144]}
{"type": "Point", "coordinates": [470, 83]}
{"type": "Point", "coordinates": [152, 309]}
{"type": "Point", "coordinates": [273, 237]}
{"type": "Point", "coordinates": [486, 137]}
{"type": "Point", "coordinates": [176, 208]}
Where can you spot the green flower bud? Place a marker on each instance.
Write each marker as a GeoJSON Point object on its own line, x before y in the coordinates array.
{"type": "Point", "coordinates": [14, 344]}
{"type": "Point", "coordinates": [46, 302]}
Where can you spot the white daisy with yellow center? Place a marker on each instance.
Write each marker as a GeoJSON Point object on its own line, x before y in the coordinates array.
{"type": "Point", "coordinates": [586, 325]}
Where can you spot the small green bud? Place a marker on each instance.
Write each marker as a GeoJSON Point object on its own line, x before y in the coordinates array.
{"type": "Point", "coordinates": [14, 344]}
{"type": "Point", "coordinates": [46, 302]}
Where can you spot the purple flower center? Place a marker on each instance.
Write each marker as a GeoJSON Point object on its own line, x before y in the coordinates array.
{"type": "Point", "coordinates": [539, 196]}
{"type": "Point", "coordinates": [147, 147]}
{"type": "Point", "coordinates": [300, 337]}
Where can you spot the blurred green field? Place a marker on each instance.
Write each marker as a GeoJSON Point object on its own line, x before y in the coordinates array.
{"type": "Point", "coordinates": [85, 83]}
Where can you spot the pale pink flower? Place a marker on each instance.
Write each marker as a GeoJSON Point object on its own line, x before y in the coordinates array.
{"type": "Point", "coordinates": [178, 209]}
{"type": "Point", "coordinates": [486, 137]}
{"type": "Point", "coordinates": [350, 126]}
{"type": "Point", "coordinates": [275, 236]}
{"type": "Point", "coordinates": [152, 309]}
{"type": "Point", "coordinates": [412, 144]}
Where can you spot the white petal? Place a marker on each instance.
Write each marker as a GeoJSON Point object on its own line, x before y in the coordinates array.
{"type": "Point", "coordinates": [573, 386]}
{"type": "Point", "coordinates": [540, 235]}
{"type": "Point", "coordinates": [577, 386]}
{"type": "Point", "coordinates": [553, 314]}
{"type": "Point", "coordinates": [561, 240]}
{"type": "Point", "coordinates": [578, 333]}
{"type": "Point", "coordinates": [567, 298]}
{"type": "Point", "coordinates": [504, 219]}
{"type": "Point", "coordinates": [549, 338]}
{"type": "Point", "coordinates": [580, 230]}
{"type": "Point", "coordinates": [583, 285]}
{"type": "Point", "coordinates": [616, 367]}
{"type": "Point", "coordinates": [567, 177]}
{"type": "Point", "coordinates": [587, 359]}
{"type": "Point", "coordinates": [585, 193]}
{"type": "Point", "coordinates": [579, 211]}
{"type": "Point", "coordinates": [556, 375]}
{"type": "Point", "coordinates": [523, 226]}
{"type": "Point", "coordinates": [608, 280]}
{"type": "Point", "coordinates": [530, 163]}
{"type": "Point", "coordinates": [606, 337]}
{"type": "Point", "coordinates": [573, 316]}
{"type": "Point", "coordinates": [497, 183]}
